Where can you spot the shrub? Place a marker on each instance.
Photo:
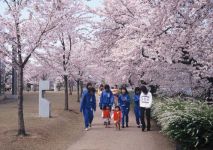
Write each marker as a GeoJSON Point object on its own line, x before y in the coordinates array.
{"type": "Point", "coordinates": [188, 123]}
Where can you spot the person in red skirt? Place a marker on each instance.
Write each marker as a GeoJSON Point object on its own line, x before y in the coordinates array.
{"type": "Point", "coordinates": [106, 115]}
{"type": "Point", "coordinates": [117, 117]}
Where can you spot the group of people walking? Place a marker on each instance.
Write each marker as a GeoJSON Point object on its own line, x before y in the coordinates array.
{"type": "Point", "coordinates": [115, 104]}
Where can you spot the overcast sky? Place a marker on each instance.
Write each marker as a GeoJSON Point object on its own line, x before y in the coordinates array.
{"type": "Point", "coordinates": [91, 3]}
{"type": "Point", "coordinates": [94, 3]}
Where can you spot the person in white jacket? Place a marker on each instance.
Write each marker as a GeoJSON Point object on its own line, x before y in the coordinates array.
{"type": "Point", "coordinates": [145, 105]}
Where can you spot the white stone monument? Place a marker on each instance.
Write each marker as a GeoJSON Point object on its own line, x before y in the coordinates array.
{"type": "Point", "coordinates": [44, 104]}
{"type": "Point", "coordinates": [32, 87]}
{"type": "Point", "coordinates": [55, 87]}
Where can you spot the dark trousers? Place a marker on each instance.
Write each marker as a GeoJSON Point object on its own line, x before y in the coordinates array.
{"type": "Point", "coordinates": [125, 115]}
{"type": "Point", "coordinates": [88, 116]}
{"type": "Point", "coordinates": [148, 113]}
{"type": "Point", "coordinates": [137, 111]}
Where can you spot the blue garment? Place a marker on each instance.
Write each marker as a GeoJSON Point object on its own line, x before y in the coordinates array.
{"type": "Point", "coordinates": [137, 109]}
{"type": "Point", "coordinates": [88, 101]}
{"type": "Point", "coordinates": [88, 117]}
{"type": "Point", "coordinates": [88, 104]}
{"type": "Point", "coordinates": [106, 99]}
{"type": "Point", "coordinates": [124, 103]}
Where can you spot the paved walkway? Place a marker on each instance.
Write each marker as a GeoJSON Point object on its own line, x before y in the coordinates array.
{"type": "Point", "coordinates": [132, 138]}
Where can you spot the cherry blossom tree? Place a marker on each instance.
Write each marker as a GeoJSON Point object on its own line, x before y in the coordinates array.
{"type": "Point", "coordinates": [24, 27]}
{"type": "Point", "coordinates": [66, 41]}
{"type": "Point", "coordinates": [177, 33]}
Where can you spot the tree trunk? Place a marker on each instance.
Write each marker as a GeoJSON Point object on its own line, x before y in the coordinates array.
{"type": "Point", "coordinates": [66, 107]}
{"type": "Point", "coordinates": [70, 88]}
{"type": "Point", "coordinates": [21, 126]}
{"type": "Point", "coordinates": [14, 72]}
{"type": "Point", "coordinates": [78, 90]}
{"type": "Point", "coordinates": [81, 84]}
{"type": "Point", "coordinates": [14, 82]}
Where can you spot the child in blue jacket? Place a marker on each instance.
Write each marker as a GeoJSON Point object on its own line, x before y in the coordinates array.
{"type": "Point", "coordinates": [106, 99]}
{"type": "Point", "coordinates": [124, 103]}
{"type": "Point", "coordinates": [137, 106]}
{"type": "Point", "coordinates": [88, 105]}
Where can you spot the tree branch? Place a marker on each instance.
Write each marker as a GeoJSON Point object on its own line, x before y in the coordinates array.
{"type": "Point", "coordinates": [164, 31]}
{"type": "Point", "coordinates": [37, 43]}
{"type": "Point", "coordinates": [132, 14]}
{"type": "Point", "coordinates": [8, 4]}
{"type": "Point", "coordinates": [70, 49]}
{"type": "Point", "coordinates": [143, 54]}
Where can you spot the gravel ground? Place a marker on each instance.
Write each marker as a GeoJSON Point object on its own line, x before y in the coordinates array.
{"type": "Point", "coordinates": [132, 138]}
{"type": "Point", "coordinates": [64, 130]}
{"type": "Point", "coordinates": [55, 133]}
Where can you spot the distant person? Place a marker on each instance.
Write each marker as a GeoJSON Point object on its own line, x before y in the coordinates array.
{"type": "Point", "coordinates": [106, 99]}
{"type": "Point", "coordinates": [124, 103]}
{"type": "Point", "coordinates": [145, 105]}
{"type": "Point", "coordinates": [137, 110]}
{"type": "Point", "coordinates": [88, 105]}
{"type": "Point", "coordinates": [100, 89]}
{"type": "Point", "coordinates": [117, 116]}
{"type": "Point", "coordinates": [115, 92]}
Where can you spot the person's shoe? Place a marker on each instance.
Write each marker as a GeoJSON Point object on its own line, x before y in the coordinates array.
{"type": "Point", "coordinates": [143, 129]}
{"type": "Point", "coordinates": [122, 126]}
{"type": "Point", "coordinates": [86, 129]}
{"type": "Point", "coordinates": [138, 126]}
{"type": "Point", "coordinates": [127, 125]}
{"type": "Point", "coordinates": [148, 130]}
{"type": "Point", "coordinates": [90, 125]}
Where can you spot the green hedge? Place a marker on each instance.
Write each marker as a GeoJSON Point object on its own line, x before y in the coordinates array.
{"type": "Point", "coordinates": [188, 123]}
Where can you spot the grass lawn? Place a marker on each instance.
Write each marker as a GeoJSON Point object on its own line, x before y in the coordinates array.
{"type": "Point", "coordinates": [55, 133]}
